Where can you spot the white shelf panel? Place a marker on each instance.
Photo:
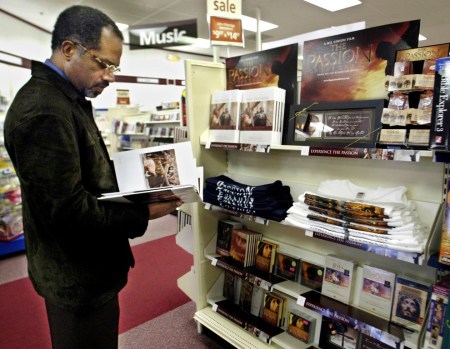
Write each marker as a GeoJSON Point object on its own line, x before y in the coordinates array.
{"type": "Point", "coordinates": [228, 330]}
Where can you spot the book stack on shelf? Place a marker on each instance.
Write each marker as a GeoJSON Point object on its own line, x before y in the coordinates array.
{"type": "Point", "coordinates": [243, 246]}
{"type": "Point", "coordinates": [252, 117]}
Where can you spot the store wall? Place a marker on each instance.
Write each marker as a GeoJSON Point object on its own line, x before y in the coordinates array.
{"type": "Point", "coordinates": [26, 41]}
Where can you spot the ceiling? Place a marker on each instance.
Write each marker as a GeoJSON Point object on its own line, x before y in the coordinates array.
{"type": "Point", "coordinates": [294, 17]}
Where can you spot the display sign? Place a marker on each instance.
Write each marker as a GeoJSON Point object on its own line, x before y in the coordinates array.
{"type": "Point", "coordinates": [423, 53]}
{"type": "Point", "coordinates": [226, 31]}
{"type": "Point", "coordinates": [345, 124]}
{"type": "Point", "coordinates": [163, 34]}
{"type": "Point", "coordinates": [224, 8]}
{"type": "Point", "coordinates": [353, 66]}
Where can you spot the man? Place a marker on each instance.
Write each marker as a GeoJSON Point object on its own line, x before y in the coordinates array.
{"type": "Point", "coordinates": [77, 247]}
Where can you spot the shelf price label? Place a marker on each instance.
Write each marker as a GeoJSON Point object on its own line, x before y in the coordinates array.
{"type": "Point", "coordinates": [226, 31]}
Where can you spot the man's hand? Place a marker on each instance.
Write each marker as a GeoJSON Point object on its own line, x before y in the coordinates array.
{"type": "Point", "coordinates": [159, 209]}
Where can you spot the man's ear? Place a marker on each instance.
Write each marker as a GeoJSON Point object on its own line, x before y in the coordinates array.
{"type": "Point", "coordinates": [68, 49]}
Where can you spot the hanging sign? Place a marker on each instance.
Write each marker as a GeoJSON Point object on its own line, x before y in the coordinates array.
{"type": "Point", "coordinates": [163, 34]}
{"type": "Point", "coordinates": [226, 31]}
{"type": "Point", "coordinates": [225, 8]}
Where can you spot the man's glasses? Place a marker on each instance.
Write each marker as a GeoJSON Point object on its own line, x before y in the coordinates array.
{"type": "Point", "coordinates": [109, 68]}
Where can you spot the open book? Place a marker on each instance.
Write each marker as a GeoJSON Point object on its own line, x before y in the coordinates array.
{"type": "Point", "coordinates": [156, 174]}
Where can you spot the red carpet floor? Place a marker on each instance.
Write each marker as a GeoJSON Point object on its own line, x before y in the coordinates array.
{"type": "Point", "coordinates": [151, 291]}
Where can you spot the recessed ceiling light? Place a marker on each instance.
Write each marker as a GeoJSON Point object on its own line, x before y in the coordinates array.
{"type": "Point", "coordinates": [334, 5]}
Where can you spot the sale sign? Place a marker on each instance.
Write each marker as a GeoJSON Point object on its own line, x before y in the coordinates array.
{"type": "Point", "coordinates": [226, 31]}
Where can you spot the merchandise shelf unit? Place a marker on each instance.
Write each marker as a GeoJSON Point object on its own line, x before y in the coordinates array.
{"type": "Point", "coordinates": [424, 180]}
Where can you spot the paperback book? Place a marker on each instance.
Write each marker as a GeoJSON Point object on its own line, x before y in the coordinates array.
{"type": "Point", "coordinates": [154, 174]}
{"type": "Point", "coordinates": [246, 294]}
{"type": "Point", "coordinates": [301, 326]}
{"type": "Point", "coordinates": [377, 291]}
{"type": "Point", "coordinates": [410, 302]}
{"type": "Point", "coordinates": [262, 116]}
{"type": "Point", "coordinates": [287, 266]}
{"type": "Point", "coordinates": [338, 278]}
{"type": "Point", "coordinates": [265, 255]}
{"type": "Point", "coordinates": [224, 228]}
{"type": "Point", "coordinates": [224, 116]}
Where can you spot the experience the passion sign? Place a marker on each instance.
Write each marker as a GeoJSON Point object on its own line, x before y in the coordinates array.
{"type": "Point", "coordinates": [163, 34]}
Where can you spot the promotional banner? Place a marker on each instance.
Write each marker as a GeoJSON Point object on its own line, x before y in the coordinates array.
{"type": "Point", "coordinates": [353, 66]}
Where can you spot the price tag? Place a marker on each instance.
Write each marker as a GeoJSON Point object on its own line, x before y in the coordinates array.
{"type": "Point", "coordinates": [214, 307]}
{"type": "Point", "coordinates": [301, 301]}
{"type": "Point", "coordinates": [208, 145]}
{"type": "Point", "coordinates": [309, 233]}
{"type": "Point", "coordinates": [214, 262]}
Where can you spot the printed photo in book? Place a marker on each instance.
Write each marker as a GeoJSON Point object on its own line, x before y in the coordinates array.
{"type": "Point", "coordinates": [410, 302]}
{"type": "Point", "coordinates": [162, 170]}
{"type": "Point", "coordinates": [377, 291]}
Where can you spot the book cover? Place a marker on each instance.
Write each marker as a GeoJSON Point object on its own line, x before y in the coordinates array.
{"type": "Point", "coordinates": [312, 275]}
{"type": "Point", "coordinates": [287, 266]}
{"type": "Point", "coordinates": [243, 242]}
{"type": "Point", "coordinates": [257, 300]}
{"type": "Point", "coordinates": [245, 299]}
{"type": "Point", "coordinates": [224, 116]}
{"type": "Point", "coordinates": [353, 66]}
{"type": "Point", "coordinates": [274, 308]}
{"type": "Point", "coordinates": [228, 285]}
{"type": "Point", "coordinates": [224, 229]}
{"type": "Point", "coordinates": [377, 291]}
{"type": "Point", "coordinates": [301, 326]}
{"type": "Point", "coordinates": [439, 129]}
{"type": "Point", "coordinates": [410, 302]}
{"type": "Point", "coordinates": [260, 115]}
{"type": "Point", "coordinates": [265, 255]}
{"type": "Point", "coordinates": [338, 278]}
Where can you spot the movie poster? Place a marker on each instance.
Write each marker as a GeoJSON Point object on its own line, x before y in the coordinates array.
{"type": "Point", "coordinates": [353, 66]}
{"type": "Point", "coordinates": [273, 67]}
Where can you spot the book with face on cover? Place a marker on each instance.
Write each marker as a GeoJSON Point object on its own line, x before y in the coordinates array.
{"type": "Point", "coordinates": [377, 291]}
{"type": "Point", "coordinates": [301, 326]}
{"type": "Point", "coordinates": [410, 303]}
{"type": "Point", "coordinates": [312, 275]}
{"type": "Point", "coordinates": [287, 266]}
{"type": "Point", "coordinates": [338, 278]}
{"type": "Point", "coordinates": [224, 228]}
{"type": "Point", "coordinates": [265, 255]}
{"type": "Point", "coordinates": [243, 246]}
{"type": "Point", "coordinates": [274, 309]}
{"type": "Point", "coordinates": [155, 174]}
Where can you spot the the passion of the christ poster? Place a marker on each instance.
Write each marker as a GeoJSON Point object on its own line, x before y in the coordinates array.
{"type": "Point", "coordinates": [353, 66]}
{"type": "Point", "coordinates": [273, 67]}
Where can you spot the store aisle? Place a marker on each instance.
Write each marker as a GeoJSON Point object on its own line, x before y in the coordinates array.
{"type": "Point", "coordinates": [173, 329]}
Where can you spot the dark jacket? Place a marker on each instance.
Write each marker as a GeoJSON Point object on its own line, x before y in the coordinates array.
{"type": "Point", "coordinates": [77, 247]}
